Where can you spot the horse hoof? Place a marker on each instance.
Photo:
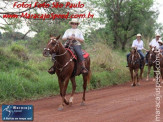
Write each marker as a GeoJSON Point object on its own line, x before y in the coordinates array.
{"type": "Point", "coordinates": [82, 104]}
{"type": "Point", "coordinates": [60, 108]}
{"type": "Point", "coordinates": [132, 85]}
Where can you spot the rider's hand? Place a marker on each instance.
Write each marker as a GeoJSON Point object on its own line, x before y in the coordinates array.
{"type": "Point", "coordinates": [70, 37]}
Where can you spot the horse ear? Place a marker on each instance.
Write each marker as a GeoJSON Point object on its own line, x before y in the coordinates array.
{"type": "Point", "coordinates": [58, 37]}
{"type": "Point", "coordinates": [50, 35]}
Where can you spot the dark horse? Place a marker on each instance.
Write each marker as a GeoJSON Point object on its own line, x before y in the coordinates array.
{"type": "Point", "coordinates": [134, 65]}
{"type": "Point", "coordinates": [152, 61]}
{"type": "Point", "coordinates": [64, 69]}
{"type": "Point", "coordinates": [151, 57]}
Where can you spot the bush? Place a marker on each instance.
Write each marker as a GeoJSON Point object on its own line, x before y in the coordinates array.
{"type": "Point", "coordinates": [20, 51]}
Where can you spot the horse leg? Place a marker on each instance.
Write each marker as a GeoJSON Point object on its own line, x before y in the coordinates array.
{"type": "Point", "coordinates": [73, 90]}
{"type": "Point", "coordinates": [132, 78]}
{"type": "Point", "coordinates": [84, 88]}
{"type": "Point", "coordinates": [154, 76]}
{"type": "Point", "coordinates": [63, 89]}
{"type": "Point", "coordinates": [149, 69]}
{"type": "Point", "coordinates": [161, 78]}
{"type": "Point", "coordinates": [137, 76]}
{"type": "Point", "coordinates": [141, 72]}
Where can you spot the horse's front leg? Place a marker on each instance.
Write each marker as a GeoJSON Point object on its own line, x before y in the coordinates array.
{"type": "Point", "coordinates": [63, 87]}
{"type": "Point", "coordinates": [132, 77]}
{"type": "Point", "coordinates": [149, 69]}
{"type": "Point", "coordinates": [73, 90]}
{"type": "Point", "coordinates": [137, 76]}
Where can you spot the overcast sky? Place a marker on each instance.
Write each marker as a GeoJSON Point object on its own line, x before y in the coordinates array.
{"type": "Point", "coordinates": [159, 4]}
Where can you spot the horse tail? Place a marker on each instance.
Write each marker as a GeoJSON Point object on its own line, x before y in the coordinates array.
{"type": "Point", "coordinates": [89, 76]}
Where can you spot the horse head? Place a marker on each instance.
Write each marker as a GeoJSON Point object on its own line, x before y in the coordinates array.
{"type": "Point", "coordinates": [151, 55]}
{"type": "Point", "coordinates": [134, 57]}
{"type": "Point", "coordinates": [52, 46]}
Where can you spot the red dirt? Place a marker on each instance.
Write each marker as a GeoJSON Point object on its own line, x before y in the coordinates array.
{"type": "Point", "coordinates": [121, 103]}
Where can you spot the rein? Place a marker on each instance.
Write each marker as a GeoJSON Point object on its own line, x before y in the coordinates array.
{"type": "Point", "coordinates": [63, 66]}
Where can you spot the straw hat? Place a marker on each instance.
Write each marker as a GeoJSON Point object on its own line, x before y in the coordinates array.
{"type": "Point", "coordinates": [74, 20]}
{"type": "Point", "coordinates": [157, 34]}
{"type": "Point", "coordinates": [138, 35]}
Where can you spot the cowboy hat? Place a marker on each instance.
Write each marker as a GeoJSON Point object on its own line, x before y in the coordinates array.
{"type": "Point", "coordinates": [157, 34]}
{"type": "Point", "coordinates": [138, 34]}
{"type": "Point", "coordinates": [74, 20]}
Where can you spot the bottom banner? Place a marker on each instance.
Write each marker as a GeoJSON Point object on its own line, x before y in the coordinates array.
{"type": "Point", "coordinates": [17, 112]}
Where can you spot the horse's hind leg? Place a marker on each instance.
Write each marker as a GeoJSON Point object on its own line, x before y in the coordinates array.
{"type": "Point", "coordinates": [84, 88]}
{"type": "Point", "coordinates": [73, 90]}
{"type": "Point", "coordinates": [149, 69]}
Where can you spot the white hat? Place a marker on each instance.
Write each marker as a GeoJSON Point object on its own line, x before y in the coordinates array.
{"type": "Point", "coordinates": [74, 20]}
{"type": "Point", "coordinates": [157, 34]}
{"type": "Point", "coordinates": [138, 34]}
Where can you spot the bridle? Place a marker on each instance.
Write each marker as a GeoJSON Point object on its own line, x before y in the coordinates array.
{"type": "Point", "coordinates": [53, 54]}
{"type": "Point", "coordinates": [56, 45]}
{"type": "Point", "coordinates": [132, 57]}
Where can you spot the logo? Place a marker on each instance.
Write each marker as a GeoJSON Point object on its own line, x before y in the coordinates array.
{"type": "Point", "coordinates": [17, 112]}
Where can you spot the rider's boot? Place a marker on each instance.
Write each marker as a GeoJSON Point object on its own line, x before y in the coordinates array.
{"type": "Point", "coordinates": [84, 70]}
{"type": "Point", "coordinates": [52, 70]}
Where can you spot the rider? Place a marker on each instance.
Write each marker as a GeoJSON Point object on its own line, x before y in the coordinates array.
{"type": "Point", "coordinates": [154, 44]}
{"type": "Point", "coordinates": [75, 37]}
{"type": "Point", "coordinates": [138, 44]}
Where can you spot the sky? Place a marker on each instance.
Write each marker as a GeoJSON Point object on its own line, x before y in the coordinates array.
{"type": "Point", "coordinates": [159, 5]}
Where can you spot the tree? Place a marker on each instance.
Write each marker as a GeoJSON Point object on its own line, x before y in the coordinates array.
{"type": "Point", "coordinates": [126, 18]}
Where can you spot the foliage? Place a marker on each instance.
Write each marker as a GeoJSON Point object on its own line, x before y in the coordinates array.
{"type": "Point", "coordinates": [126, 18]}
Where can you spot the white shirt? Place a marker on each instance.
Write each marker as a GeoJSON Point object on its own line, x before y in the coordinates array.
{"type": "Point", "coordinates": [155, 43]}
{"type": "Point", "coordinates": [74, 32]}
{"type": "Point", "coordinates": [137, 44]}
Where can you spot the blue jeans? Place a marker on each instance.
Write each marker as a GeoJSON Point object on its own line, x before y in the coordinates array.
{"type": "Point", "coordinates": [78, 51]}
{"type": "Point", "coordinates": [140, 53]}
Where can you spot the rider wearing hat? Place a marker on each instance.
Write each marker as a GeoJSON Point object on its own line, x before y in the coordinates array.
{"type": "Point", "coordinates": [138, 44]}
{"type": "Point", "coordinates": [75, 37]}
{"type": "Point", "coordinates": [155, 43]}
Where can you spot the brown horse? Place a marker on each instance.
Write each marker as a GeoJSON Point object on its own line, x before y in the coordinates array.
{"type": "Point", "coordinates": [64, 69]}
{"type": "Point", "coordinates": [134, 65]}
{"type": "Point", "coordinates": [151, 57]}
{"type": "Point", "coordinates": [158, 66]}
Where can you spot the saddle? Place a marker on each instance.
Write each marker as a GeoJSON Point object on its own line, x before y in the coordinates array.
{"type": "Point", "coordinates": [71, 50]}
{"type": "Point", "coordinates": [76, 61]}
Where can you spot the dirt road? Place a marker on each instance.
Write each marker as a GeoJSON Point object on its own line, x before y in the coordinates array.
{"type": "Point", "coordinates": [121, 103]}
